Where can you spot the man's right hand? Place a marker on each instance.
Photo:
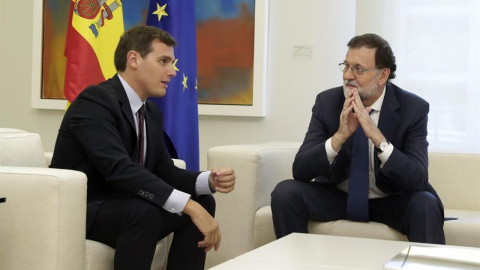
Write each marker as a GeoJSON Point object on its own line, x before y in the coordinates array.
{"type": "Point", "coordinates": [205, 224]}
{"type": "Point", "coordinates": [348, 122]}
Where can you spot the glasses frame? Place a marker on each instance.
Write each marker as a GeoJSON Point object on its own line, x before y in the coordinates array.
{"type": "Point", "coordinates": [355, 69]}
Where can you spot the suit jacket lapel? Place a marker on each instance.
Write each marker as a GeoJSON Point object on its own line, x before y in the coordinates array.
{"type": "Point", "coordinates": [127, 113]}
{"type": "Point", "coordinates": [123, 99]}
{"type": "Point", "coordinates": [389, 115]}
{"type": "Point", "coordinates": [389, 118]}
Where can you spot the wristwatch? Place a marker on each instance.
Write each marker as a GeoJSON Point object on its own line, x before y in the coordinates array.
{"type": "Point", "coordinates": [382, 147]}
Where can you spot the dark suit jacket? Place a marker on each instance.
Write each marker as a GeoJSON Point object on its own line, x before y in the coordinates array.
{"type": "Point", "coordinates": [403, 121]}
{"type": "Point", "coordinates": [97, 136]}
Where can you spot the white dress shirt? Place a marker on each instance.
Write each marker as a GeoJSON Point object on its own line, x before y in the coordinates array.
{"type": "Point", "coordinates": [178, 199]}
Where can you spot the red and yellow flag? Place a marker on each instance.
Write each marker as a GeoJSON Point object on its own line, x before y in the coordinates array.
{"type": "Point", "coordinates": [94, 29]}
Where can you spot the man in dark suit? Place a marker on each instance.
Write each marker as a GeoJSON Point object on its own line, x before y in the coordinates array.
{"type": "Point", "coordinates": [390, 184]}
{"type": "Point", "coordinates": [136, 196]}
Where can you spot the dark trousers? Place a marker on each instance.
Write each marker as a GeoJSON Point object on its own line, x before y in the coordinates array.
{"type": "Point", "coordinates": [133, 227]}
{"type": "Point", "coordinates": [419, 215]}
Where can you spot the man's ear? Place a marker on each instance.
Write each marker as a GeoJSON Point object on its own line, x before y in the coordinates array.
{"type": "Point", "coordinates": [384, 76]}
{"type": "Point", "coordinates": [133, 59]}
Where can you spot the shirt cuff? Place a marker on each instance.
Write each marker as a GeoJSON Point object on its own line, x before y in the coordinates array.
{"type": "Point", "coordinates": [176, 202]}
{"type": "Point", "coordinates": [331, 154]}
{"type": "Point", "coordinates": [201, 186]}
{"type": "Point", "coordinates": [385, 155]}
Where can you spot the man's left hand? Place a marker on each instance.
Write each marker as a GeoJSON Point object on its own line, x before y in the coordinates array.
{"type": "Point", "coordinates": [363, 115]}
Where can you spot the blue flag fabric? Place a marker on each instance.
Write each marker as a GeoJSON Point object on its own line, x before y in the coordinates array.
{"type": "Point", "coordinates": [179, 106]}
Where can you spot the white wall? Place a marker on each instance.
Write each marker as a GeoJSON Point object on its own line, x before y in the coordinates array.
{"type": "Point", "coordinates": [292, 83]}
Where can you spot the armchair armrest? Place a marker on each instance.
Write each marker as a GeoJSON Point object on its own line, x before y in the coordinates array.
{"type": "Point", "coordinates": [42, 223]}
{"type": "Point", "coordinates": [258, 167]}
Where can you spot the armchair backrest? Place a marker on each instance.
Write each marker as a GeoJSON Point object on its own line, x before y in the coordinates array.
{"type": "Point", "coordinates": [455, 177]}
{"type": "Point", "coordinates": [21, 148]}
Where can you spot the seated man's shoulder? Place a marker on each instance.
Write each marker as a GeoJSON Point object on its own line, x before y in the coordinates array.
{"type": "Point", "coordinates": [328, 95]}
{"type": "Point", "coordinates": [407, 96]}
{"type": "Point", "coordinates": [102, 93]}
{"type": "Point", "coordinates": [104, 89]}
{"type": "Point", "coordinates": [332, 92]}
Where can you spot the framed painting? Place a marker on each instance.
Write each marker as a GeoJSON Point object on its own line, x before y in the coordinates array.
{"type": "Point", "coordinates": [231, 45]}
{"type": "Point", "coordinates": [232, 56]}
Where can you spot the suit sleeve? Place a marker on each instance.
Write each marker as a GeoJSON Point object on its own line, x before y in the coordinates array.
{"type": "Point", "coordinates": [407, 167]}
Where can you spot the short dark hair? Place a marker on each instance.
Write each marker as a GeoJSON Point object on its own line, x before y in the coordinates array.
{"type": "Point", "coordinates": [139, 39]}
{"type": "Point", "coordinates": [384, 57]}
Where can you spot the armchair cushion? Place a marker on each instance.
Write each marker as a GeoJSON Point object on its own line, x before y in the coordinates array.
{"type": "Point", "coordinates": [21, 149]}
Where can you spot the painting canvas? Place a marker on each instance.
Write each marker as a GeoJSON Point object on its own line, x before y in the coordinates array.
{"type": "Point", "coordinates": [55, 20]}
{"type": "Point", "coordinates": [225, 31]}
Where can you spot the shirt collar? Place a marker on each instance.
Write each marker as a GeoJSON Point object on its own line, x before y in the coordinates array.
{"type": "Point", "coordinates": [133, 98]}
{"type": "Point", "coordinates": [377, 105]}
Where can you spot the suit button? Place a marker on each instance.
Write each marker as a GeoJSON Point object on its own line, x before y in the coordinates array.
{"type": "Point", "coordinates": [98, 202]}
{"type": "Point", "coordinates": [141, 192]}
{"type": "Point", "coordinates": [151, 196]}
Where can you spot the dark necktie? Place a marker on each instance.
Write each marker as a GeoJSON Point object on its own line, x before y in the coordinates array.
{"type": "Point", "coordinates": [141, 135]}
{"type": "Point", "coordinates": [357, 202]}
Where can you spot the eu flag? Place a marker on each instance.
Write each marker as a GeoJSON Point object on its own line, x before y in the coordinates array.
{"type": "Point", "coordinates": [179, 106]}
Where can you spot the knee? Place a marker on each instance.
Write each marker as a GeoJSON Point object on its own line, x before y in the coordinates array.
{"type": "Point", "coordinates": [425, 204]}
{"type": "Point", "coordinates": [284, 191]}
{"type": "Point", "coordinates": [144, 211]}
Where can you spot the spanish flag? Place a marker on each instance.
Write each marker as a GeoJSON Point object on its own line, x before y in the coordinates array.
{"type": "Point", "coordinates": [94, 29]}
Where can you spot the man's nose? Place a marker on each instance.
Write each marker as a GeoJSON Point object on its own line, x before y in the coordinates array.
{"type": "Point", "coordinates": [173, 73]}
{"type": "Point", "coordinates": [348, 74]}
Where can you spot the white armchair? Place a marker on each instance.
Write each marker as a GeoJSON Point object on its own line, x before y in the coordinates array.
{"type": "Point", "coordinates": [258, 167]}
{"type": "Point", "coordinates": [42, 222]}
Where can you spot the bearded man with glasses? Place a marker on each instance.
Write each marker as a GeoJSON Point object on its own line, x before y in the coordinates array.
{"type": "Point", "coordinates": [365, 154]}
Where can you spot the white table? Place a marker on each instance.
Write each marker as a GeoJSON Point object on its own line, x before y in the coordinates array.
{"type": "Point", "coordinates": [318, 252]}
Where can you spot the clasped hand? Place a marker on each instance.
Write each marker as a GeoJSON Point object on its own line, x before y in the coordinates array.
{"type": "Point", "coordinates": [355, 114]}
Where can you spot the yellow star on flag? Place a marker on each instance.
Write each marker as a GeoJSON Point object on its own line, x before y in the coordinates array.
{"type": "Point", "coordinates": [184, 82]}
{"type": "Point", "coordinates": [175, 65]}
{"type": "Point", "coordinates": [160, 11]}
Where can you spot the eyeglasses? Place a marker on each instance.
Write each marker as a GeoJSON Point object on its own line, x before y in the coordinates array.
{"type": "Point", "coordinates": [356, 69]}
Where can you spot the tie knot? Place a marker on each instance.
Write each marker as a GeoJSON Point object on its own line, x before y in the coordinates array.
{"type": "Point", "coordinates": [141, 111]}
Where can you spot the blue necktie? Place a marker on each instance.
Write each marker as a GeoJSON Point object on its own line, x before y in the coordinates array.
{"type": "Point", "coordinates": [357, 202]}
